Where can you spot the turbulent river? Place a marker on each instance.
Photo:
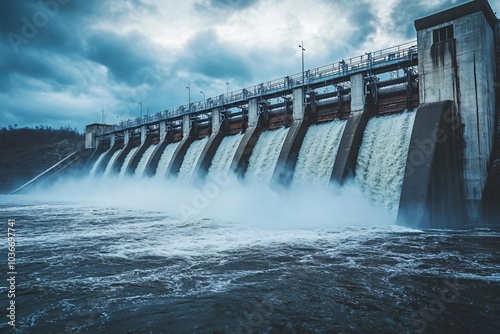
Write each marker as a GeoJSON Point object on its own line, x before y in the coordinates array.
{"type": "Point", "coordinates": [148, 256]}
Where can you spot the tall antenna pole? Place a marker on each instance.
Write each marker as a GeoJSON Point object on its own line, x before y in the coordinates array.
{"type": "Point", "coordinates": [301, 46]}
{"type": "Point", "coordinates": [189, 96]}
{"type": "Point", "coordinates": [102, 111]}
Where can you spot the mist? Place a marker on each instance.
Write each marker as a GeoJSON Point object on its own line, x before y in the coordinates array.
{"type": "Point", "coordinates": [226, 199]}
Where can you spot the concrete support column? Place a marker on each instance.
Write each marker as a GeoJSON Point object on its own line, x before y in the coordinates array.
{"type": "Point", "coordinates": [358, 92]}
{"type": "Point", "coordinates": [163, 130]}
{"type": "Point", "coordinates": [253, 113]}
{"type": "Point", "coordinates": [90, 140]}
{"type": "Point", "coordinates": [298, 104]}
{"type": "Point", "coordinates": [126, 137]}
{"type": "Point", "coordinates": [112, 140]}
{"type": "Point", "coordinates": [186, 126]}
{"type": "Point", "coordinates": [143, 134]}
{"type": "Point", "coordinates": [215, 120]}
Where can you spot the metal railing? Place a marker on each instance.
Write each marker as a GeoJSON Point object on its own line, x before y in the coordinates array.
{"type": "Point", "coordinates": [345, 67]}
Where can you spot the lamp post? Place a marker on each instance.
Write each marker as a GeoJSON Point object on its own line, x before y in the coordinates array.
{"type": "Point", "coordinates": [301, 46]}
{"type": "Point", "coordinates": [141, 107]}
{"type": "Point", "coordinates": [203, 96]}
{"type": "Point", "coordinates": [189, 96]}
{"type": "Point", "coordinates": [227, 90]}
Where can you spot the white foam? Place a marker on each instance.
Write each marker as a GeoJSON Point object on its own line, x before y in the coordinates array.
{"type": "Point", "coordinates": [191, 158]}
{"type": "Point", "coordinates": [111, 162]}
{"type": "Point", "coordinates": [165, 159]}
{"type": "Point", "coordinates": [221, 163]}
{"type": "Point", "coordinates": [126, 162]}
{"type": "Point", "coordinates": [141, 166]}
{"type": "Point", "coordinates": [265, 156]}
{"type": "Point", "coordinates": [317, 154]}
{"type": "Point", "coordinates": [96, 164]}
{"type": "Point", "coordinates": [382, 158]}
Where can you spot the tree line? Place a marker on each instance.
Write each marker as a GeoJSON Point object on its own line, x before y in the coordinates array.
{"type": "Point", "coordinates": [14, 137]}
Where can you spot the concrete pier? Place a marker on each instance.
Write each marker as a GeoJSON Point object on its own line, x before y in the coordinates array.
{"type": "Point", "coordinates": [432, 194]}
{"type": "Point", "coordinates": [240, 161]}
{"type": "Point", "coordinates": [283, 172]}
{"type": "Point", "coordinates": [180, 152]}
{"type": "Point", "coordinates": [361, 110]}
{"type": "Point", "coordinates": [145, 143]}
{"type": "Point", "coordinates": [211, 146]}
{"type": "Point", "coordinates": [105, 160]}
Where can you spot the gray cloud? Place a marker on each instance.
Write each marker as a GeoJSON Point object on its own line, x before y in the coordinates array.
{"type": "Point", "coordinates": [206, 55]}
{"type": "Point", "coordinates": [406, 12]}
{"type": "Point", "coordinates": [226, 5]}
{"type": "Point", "coordinates": [126, 56]}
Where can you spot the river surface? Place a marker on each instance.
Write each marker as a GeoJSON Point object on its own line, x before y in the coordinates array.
{"type": "Point", "coordinates": [124, 256]}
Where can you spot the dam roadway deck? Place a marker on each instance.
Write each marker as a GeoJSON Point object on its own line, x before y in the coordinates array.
{"type": "Point", "coordinates": [383, 61]}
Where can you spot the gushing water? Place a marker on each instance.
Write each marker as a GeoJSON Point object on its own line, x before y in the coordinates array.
{"type": "Point", "coordinates": [141, 166]}
{"type": "Point", "coordinates": [221, 163]}
{"type": "Point", "coordinates": [126, 162]}
{"type": "Point", "coordinates": [97, 163]}
{"type": "Point", "coordinates": [165, 159]}
{"type": "Point", "coordinates": [111, 162]}
{"type": "Point", "coordinates": [382, 158]}
{"type": "Point", "coordinates": [265, 156]}
{"type": "Point", "coordinates": [191, 158]}
{"type": "Point", "coordinates": [317, 154]}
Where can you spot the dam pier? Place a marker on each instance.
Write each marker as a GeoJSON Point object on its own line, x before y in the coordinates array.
{"type": "Point", "coordinates": [416, 126]}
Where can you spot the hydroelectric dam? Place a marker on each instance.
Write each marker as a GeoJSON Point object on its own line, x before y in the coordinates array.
{"type": "Point", "coordinates": [416, 126]}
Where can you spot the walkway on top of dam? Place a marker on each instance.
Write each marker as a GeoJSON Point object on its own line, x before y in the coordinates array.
{"type": "Point", "coordinates": [382, 61]}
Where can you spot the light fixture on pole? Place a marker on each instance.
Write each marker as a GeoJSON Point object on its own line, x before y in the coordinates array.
{"type": "Point", "coordinates": [203, 96]}
{"type": "Point", "coordinates": [141, 107]}
{"type": "Point", "coordinates": [189, 96]}
{"type": "Point", "coordinates": [227, 89]}
{"type": "Point", "coordinates": [301, 46]}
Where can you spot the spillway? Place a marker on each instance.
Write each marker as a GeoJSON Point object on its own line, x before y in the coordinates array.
{"type": "Point", "coordinates": [97, 163]}
{"type": "Point", "coordinates": [191, 158]}
{"type": "Point", "coordinates": [141, 166]}
{"type": "Point", "coordinates": [165, 159]}
{"type": "Point", "coordinates": [382, 157]}
{"type": "Point", "coordinates": [265, 155]}
{"type": "Point", "coordinates": [111, 162]}
{"type": "Point", "coordinates": [221, 163]}
{"type": "Point", "coordinates": [317, 153]}
{"type": "Point", "coordinates": [129, 156]}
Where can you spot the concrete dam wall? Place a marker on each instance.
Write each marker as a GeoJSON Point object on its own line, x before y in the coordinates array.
{"type": "Point", "coordinates": [412, 126]}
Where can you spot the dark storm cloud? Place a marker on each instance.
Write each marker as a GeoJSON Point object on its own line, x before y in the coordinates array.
{"type": "Point", "coordinates": [231, 5]}
{"type": "Point", "coordinates": [211, 58]}
{"type": "Point", "coordinates": [406, 12]}
{"type": "Point", "coordinates": [34, 34]}
{"type": "Point", "coordinates": [127, 57]}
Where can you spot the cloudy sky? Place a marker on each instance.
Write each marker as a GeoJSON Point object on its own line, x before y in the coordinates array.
{"type": "Point", "coordinates": [62, 60]}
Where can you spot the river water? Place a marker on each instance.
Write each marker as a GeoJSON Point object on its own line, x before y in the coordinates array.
{"type": "Point", "coordinates": [150, 256]}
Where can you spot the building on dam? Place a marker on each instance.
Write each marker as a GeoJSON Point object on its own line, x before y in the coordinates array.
{"type": "Point", "coordinates": [415, 125]}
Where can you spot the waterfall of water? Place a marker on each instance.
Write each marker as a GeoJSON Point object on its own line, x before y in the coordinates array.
{"type": "Point", "coordinates": [221, 163]}
{"type": "Point", "coordinates": [265, 155]}
{"type": "Point", "coordinates": [191, 158]}
{"type": "Point", "coordinates": [111, 162]}
{"type": "Point", "coordinates": [141, 166]}
{"type": "Point", "coordinates": [317, 154]}
{"type": "Point", "coordinates": [96, 164]}
{"type": "Point", "coordinates": [166, 156]}
{"type": "Point", "coordinates": [127, 161]}
{"type": "Point", "coordinates": [382, 158]}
